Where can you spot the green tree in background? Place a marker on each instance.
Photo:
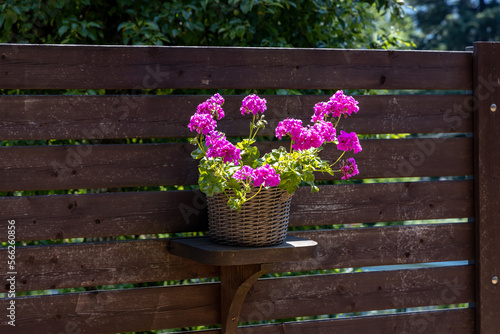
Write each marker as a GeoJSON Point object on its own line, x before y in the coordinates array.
{"type": "Point", "coordinates": [291, 23]}
{"type": "Point", "coordinates": [455, 24]}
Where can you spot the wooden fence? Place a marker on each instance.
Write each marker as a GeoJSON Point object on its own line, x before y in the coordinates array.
{"type": "Point", "coordinates": [459, 157]}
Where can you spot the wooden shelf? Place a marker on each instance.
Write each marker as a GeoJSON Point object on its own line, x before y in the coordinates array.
{"type": "Point", "coordinates": [203, 250]}
{"type": "Point", "coordinates": [241, 267]}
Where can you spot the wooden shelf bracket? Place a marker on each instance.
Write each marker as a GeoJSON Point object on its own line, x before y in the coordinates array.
{"type": "Point", "coordinates": [240, 267]}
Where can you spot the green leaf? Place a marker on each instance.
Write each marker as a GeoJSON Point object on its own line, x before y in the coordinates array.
{"type": "Point", "coordinates": [197, 154]}
{"type": "Point", "coordinates": [233, 184]}
{"type": "Point", "coordinates": [234, 204]}
{"type": "Point", "coordinates": [17, 10]}
{"type": "Point", "coordinates": [308, 176]}
{"type": "Point", "coordinates": [62, 30]}
{"type": "Point", "coordinates": [122, 25]}
{"type": "Point", "coordinates": [60, 3]}
{"type": "Point", "coordinates": [10, 19]}
{"type": "Point", "coordinates": [240, 32]}
{"type": "Point", "coordinates": [246, 6]}
{"type": "Point", "coordinates": [249, 155]}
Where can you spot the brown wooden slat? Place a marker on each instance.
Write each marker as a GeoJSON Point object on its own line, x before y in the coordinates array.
{"type": "Point", "coordinates": [192, 305]}
{"type": "Point", "coordinates": [487, 170]}
{"type": "Point", "coordinates": [111, 214]}
{"type": "Point", "coordinates": [111, 166]}
{"type": "Point", "coordinates": [95, 264]}
{"type": "Point", "coordinates": [388, 202]}
{"type": "Point", "coordinates": [65, 266]}
{"type": "Point", "coordinates": [116, 311]}
{"type": "Point", "coordinates": [454, 321]}
{"type": "Point", "coordinates": [99, 117]}
{"type": "Point", "coordinates": [344, 293]}
{"type": "Point", "coordinates": [140, 67]}
{"type": "Point", "coordinates": [364, 247]}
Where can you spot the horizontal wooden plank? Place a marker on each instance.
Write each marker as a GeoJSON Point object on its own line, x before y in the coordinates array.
{"type": "Point", "coordinates": [358, 292]}
{"type": "Point", "coordinates": [378, 246]}
{"type": "Point", "coordinates": [112, 166]}
{"type": "Point", "coordinates": [116, 311]}
{"type": "Point", "coordinates": [102, 117]}
{"type": "Point", "coordinates": [452, 321]}
{"type": "Point", "coordinates": [65, 266]}
{"type": "Point", "coordinates": [192, 305]}
{"type": "Point", "coordinates": [383, 202]}
{"type": "Point", "coordinates": [147, 67]}
{"type": "Point", "coordinates": [134, 213]}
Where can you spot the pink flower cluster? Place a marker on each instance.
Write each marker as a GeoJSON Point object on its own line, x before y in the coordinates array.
{"type": "Point", "coordinates": [202, 123]}
{"type": "Point", "coordinates": [289, 126]}
{"type": "Point", "coordinates": [220, 147]}
{"type": "Point", "coordinates": [305, 138]}
{"type": "Point", "coordinates": [339, 104]}
{"type": "Point", "coordinates": [348, 169]}
{"type": "Point", "coordinates": [262, 176]}
{"type": "Point", "coordinates": [348, 142]}
{"type": "Point", "coordinates": [253, 104]}
{"type": "Point", "coordinates": [203, 120]}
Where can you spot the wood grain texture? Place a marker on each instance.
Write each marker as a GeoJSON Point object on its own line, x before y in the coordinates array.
{"type": "Point", "coordinates": [135, 213]}
{"type": "Point", "coordinates": [357, 292]}
{"type": "Point", "coordinates": [487, 185]}
{"type": "Point", "coordinates": [192, 305]}
{"type": "Point", "coordinates": [147, 67]}
{"type": "Point", "coordinates": [66, 266]}
{"type": "Point", "coordinates": [235, 282]}
{"type": "Point", "coordinates": [392, 245]}
{"type": "Point", "coordinates": [382, 202]}
{"type": "Point", "coordinates": [113, 166]}
{"type": "Point", "coordinates": [103, 117]}
{"type": "Point", "coordinates": [117, 311]}
{"type": "Point", "coordinates": [459, 321]}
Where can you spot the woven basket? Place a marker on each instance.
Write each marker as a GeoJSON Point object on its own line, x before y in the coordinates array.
{"type": "Point", "coordinates": [262, 221]}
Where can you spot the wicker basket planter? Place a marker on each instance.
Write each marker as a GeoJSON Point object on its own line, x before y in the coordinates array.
{"type": "Point", "coordinates": [262, 221]}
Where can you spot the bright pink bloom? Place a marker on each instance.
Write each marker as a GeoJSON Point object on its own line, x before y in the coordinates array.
{"type": "Point", "coordinates": [220, 147]}
{"type": "Point", "coordinates": [212, 106]}
{"type": "Point", "coordinates": [325, 130]}
{"type": "Point", "coordinates": [348, 142]}
{"type": "Point", "coordinates": [343, 104]}
{"type": "Point", "coordinates": [245, 173]}
{"type": "Point", "coordinates": [253, 104]}
{"type": "Point", "coordinates": [202, 123]}
{"type": "Point", "coordinates": [217, 99]}
{"type": "Point", "coordinates": [289, 126]}
{"type": "Point", "coordinates": [307, 139]}
{"type": "Point", "coordinates": [348, 169]}
{"type": "Point", "coordinates": [321, 111]}
{"type": "Point", "coordinates": [266, 176]}
{"type": "Point", "coordinates": [339, 104]}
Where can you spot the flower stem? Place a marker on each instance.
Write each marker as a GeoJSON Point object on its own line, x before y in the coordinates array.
{"type": "Point", "coordinates": [338, 159]}
{"type": "Point", "coordinates": [337, 122]}
{"type": "Point", "coordinates": [255, 193]}
{"type": "Point", "coordinates": [199, 142]}
{"type": "Point", "coordinates": [251, 127]}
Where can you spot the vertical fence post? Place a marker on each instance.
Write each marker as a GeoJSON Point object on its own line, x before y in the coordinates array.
{"type": "Point", "coordinates": [486, 72]}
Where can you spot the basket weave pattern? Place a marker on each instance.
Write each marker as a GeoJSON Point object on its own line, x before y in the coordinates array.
{"type": "Point", "coordinates": [262, 221]}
